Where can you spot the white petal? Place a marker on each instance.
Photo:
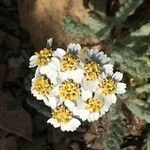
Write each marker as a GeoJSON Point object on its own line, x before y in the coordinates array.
{"type": "Point", "coordinates": [86, 94]}
{"type": "Point", "coordinates": [37, 72]}
{"type": "Point", "coordinates": [49, 42]}
{"type": "Point", "coordinates": [74, 123]}
{"type": "Point", "coordinates": [108, 69]}
{"type": "Point", "coordinates": [121, 88]}
{"type": "Point", "coordinates": [93, 116]}
{"type": "Point", "coordinates": [70, 105]}
{"type": "Point", "coordinates": [117, 76]}
{"type": "Point", "coordinates": [59, 53]}
{"type": "Point", "coordinates": [112, 98]}
{"type": "Point", "coordinates": [33, 64]}
{"type": "Point", "coordinates": [53, 122]}
{"type": "Point", "coordinates": [105, 107]}
{"type": "Point", "coordinates": [96, 115]}
{"type": "Point", "coordinates": [76, 75]}
{"type": "Point", "coordinates": [81, 104]}
{"type": "Point", "coordinates": [55, 90]}
{"type": "Point", "coordinates": [63, 127]}
{"type": "Point", "coordinates": [51, 102]}
{"type": "Point", "coordinates": [75, 48]}
{"type": "Point", "coordinates": [55, 63]}
{"type": "Point", "coordinates": [33, 58]}
{"type": "Point", "coordinates": [90, 85]}
{"type": "Point", "coordinates": [105, 59]}
{"type": "Point", "coordinates": [82, 113]}
{"type": "Point", "coordinates": [103, 75]}
{"type": "Point", "coordinates": [44, 69]}
{"type": "Point", "coordinates": [64, 75]}
{"type": "Point", "coordinates": [38, 96]}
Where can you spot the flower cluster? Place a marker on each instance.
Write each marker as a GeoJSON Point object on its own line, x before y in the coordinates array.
{"type": "Point", "coordinates": [76, 85]}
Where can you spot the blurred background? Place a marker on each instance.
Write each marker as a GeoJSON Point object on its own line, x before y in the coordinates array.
{"type": "Point", "coordinates": [121, 28]}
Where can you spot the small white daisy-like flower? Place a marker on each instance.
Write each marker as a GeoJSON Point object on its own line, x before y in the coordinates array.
{"type": "Point", "coordinates": [70, 66]}
{"type": "Point", "coordinates": [41, 58]}
{"type": "Point", "coordinates": [110, 86]}
{"type": "Point", "coordinates": [44, 60]}
{"type": "Point", "coordinates": [62, 117]}
{"type": "Point", "coordinates": [72, 91]}
{"type": "Point", "coordinates": [43, 88]}
{"type": "Point", "coordinates": [91, 109]}
{"type": "Point", "coordinates": [95, 63]}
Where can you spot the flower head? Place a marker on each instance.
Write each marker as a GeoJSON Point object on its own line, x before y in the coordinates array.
{"type": "Point", "coordinates": [91, 109]}
{"type": "Point", "coordinates": [70, 91]}
{"type": "Point", "coordinates": [70, 66]}
{"type": "Point", "coordinates": [41, 58]}
{"type": "Point", "coordinates": [110, 86]}
{"type": "Point", "coordinates": [95, 63]}
{"type": "Point", "coordinates": [62, 117]}
{"type": "Point", "coordinates": [75, 84]}
{"type": "Point", "coordinates": [43, 89]}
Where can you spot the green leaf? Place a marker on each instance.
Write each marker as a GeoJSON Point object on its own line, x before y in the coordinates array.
{"type": "Point", "coordinates": [39, 106]}
{"type": "Point", "coordinates": [131, 63]}
{"type": "Point", "coordinates": [146, 145]}
{"type": "Point", "coordinates": [75, 28]}
{"type": "Point", "coordinates": [95, 24]}
{"type": "Point", "coordinates": [98, 6]}
{"type": "Point", "coordinates": [127, 8]}
{"type": "Point", "coordinates": [143, 31]}
{"type": "Point", "coordinates": [144, 88]}
{"type": "Point", "coordinates": [140, 108]}
{"type": "Point", "coordinates": [115, 137]}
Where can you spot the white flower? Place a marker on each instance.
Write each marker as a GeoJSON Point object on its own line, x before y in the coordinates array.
{"type": "Point", "coordinates": [41, 58]}
{"type": "Point", "coordinates": [62, 117]}
{"type": "Point", "coordinates": [43, 89]}
{"type": "Point", "coordinates": [45, 61]}
{"type": "Point", "coordinates": [69, 66]}
{"type": "Point", "coordinates": [91, 109]}
{"type": "Point", "coordinates": [70, 91]}
{"type": "Point", "coordinates": [94, 65]}
{"type": "Point", "coordinates": [110, 86]}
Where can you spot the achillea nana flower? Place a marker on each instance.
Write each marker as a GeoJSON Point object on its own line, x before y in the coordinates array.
{"type": "Point", "coordinates": [62, 117]}
{"type": "Point", "coordinates": [75, 87]}
{"type": "Point", "coordinates": [110, 86]}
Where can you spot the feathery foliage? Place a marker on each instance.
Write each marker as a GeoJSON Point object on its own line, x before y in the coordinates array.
{"type": "Point", "coordinates": [140, 108]}
{"type": "Point", "coordinates": [115, 137]}
{"type": "Point", "coordinates": [75, 28]}
{"type": "Point", "coordinates": [127, 8]}
{"type": "Point", "coordinates": [39, 106]}
{"type": "Point", "coordinates": [146, 145]}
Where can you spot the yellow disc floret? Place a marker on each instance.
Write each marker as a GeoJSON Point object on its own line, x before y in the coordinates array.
{"type": "Point", "coordinates": [69, 90]}
{"type": "Point", "coordinates": [94, 104]}
{"type": "Point", "coordinates": [42, 85]}
{"type": "Point", "coordinates": [62, 114]}
{"type": "Point", "coordinates": [108, 86]}
{"type": "Point", "coordinates": [44, 56]}
{"type": "Point", "coordinates": [92, 71]}
{"type": "Point", "coordinates": [69, 62]}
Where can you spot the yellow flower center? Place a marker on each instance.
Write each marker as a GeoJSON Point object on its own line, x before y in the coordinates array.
{"type": "Point", "coordinates": [62, 114]}
{"type": "Point", "coordinates": [108, 86]}
{"type": "Point", "coordinates": [69, 62]}
{"type": "Point", "coordinates": [43, 85]}
{"type": "Point", "coordinates": [69, 90]}
{"type": "Point", "coordinates": [92, 71]}
{"type": "Point", "coordinates": [94, 104]}
{"type": "Point", "coordinates": [44, 56]}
